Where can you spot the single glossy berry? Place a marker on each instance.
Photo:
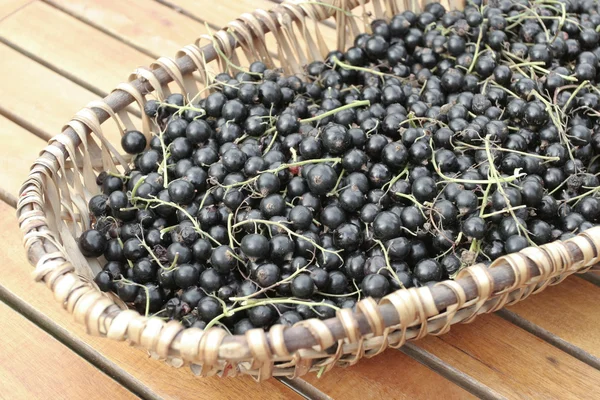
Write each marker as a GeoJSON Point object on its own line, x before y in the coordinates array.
{"type": "Point", "coordinates": [347, 237]}
{"type": "Point", "coordinates": [515, 243]}
{"type": "Point", "coordinates": [98, 205]}
{"type": "Point", "coordinates": [150, 299]}
{"type": "Point", "coordinates": [181, 191]}
{"type": "Point", "coordinates": [126, 291]}
{"type": "Point", "coordinates": [104, 281]}
{"type": "Point", "coordinates": [301, 217]}
{"type": "Point", "coordinates": [321, 179]}
{"type": "Point", "coordinates": [210, 280]}
{"type": "Point", "coordinates": [234, 159]}
{"type": "Point", "coordinates": [474, 227]}
{"type": "Point", "coordinates": [92, 243]}
{"type": "Point", "coordinates": [133, 249]}
{"type": "Point", "coordinates": [262, 315]}
{"type": "Point", "coordinates": [255, 246]}
{"type": "Point", "coordinates": [386, 225]}
{"type": "Point", "coordinates": [424, 189]}
{"type": "Point", "coordinates": [428, 270]}
{"type": "Point", "coordinates": [303, 286]}
{"type": "Point", "coordinates": [375, 285]}
{"type": "Point", "coordinates": [209, 308]}
{"type": "Point", "coordinates": [267, 274]}
{"type": "Point", "coordinates": [186, 275]}
{"type": "Point", "coordinates": [223, 259]}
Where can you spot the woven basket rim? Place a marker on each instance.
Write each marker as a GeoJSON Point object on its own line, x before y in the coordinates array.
{"type": "Point", "coordinates": [405, 314]}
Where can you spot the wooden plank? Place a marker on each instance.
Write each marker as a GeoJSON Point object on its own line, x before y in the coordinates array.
{"type": "Point", "coordinates": [164, 381]}
{"type": "Point", "coordinates": [513, 362]}
{"type": "Point", "coordinates": [37, 95]}
{"type": "Point", "coordinates": [392, 375]}
{"type": "Point", "coordinates": [219, 14]}
{"type": "Point", "coordinates": [592, 277]}
{"type": "Point", "coordinates": [568, 310]}
{"type": "Point", "coordinates": [41, 100]}
{"type": "Point", "coordinates": [72, 47]}
{"type": "Point", "coordinates": [11, 6]}
{"type": "Point", "coordinates": [146, 25]}
{"type": "Point", "coordinates": [19, 150]}
{"type": "Point", "coordinates": [34, 365]}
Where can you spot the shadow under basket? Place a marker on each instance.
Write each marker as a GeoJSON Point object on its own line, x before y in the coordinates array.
{"type": "Point", "coordinates": [53, 212]}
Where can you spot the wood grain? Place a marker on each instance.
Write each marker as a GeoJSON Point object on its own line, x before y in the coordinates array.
{"type": "Point", "coordinates": [391, 375]}
{"type": "Point", "coordinates": [9, 7]}
{"type": "Point", "coordinates": [163, 380]}
{"type": "Point", "coordinates": [34, 365]}
{"type": "Point", "coordinates": [19, 150]}
{"type": "Point", "coordinates": [71, 46]}
{"type": "Point", "coordinates": [513, 362]}
{"type": "Point", "coordinates": [40, 97]}
{"type": "Point", "coordinates": [147, 25]}
{"type": "Point", "coordinates": [220, 14]}
{"type": "Point", "coordinates": [569, 310]}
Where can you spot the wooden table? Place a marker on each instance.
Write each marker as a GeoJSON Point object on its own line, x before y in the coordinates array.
{"type": "Point", "coordinates": [57, 55]}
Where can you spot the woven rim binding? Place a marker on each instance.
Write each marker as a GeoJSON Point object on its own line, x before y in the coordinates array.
{"type": "Point", "coordinates": [52, 211]}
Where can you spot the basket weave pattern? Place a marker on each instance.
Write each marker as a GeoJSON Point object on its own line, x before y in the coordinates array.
{"type": "Point", "coordinates": [53, 212]}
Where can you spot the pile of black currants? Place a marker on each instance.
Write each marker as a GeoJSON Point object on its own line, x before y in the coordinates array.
{"type": "Point", "coordinates": [436, 141]}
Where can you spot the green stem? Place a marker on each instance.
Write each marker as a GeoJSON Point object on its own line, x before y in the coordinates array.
{"type": "Point", "coordinates": [494, 173]}
{"type": "Point", "coordinates": [137, 185]}
{"type": "Point", "coordinates": [263, 290]}
{"type": "Point", "coordinates": [255, 303]}
{"type": "Point", "coordinates": [337, 183]}
{"type": "Point", "coordinates": [581, 196]}
{"type": "Point", "coordinates": [128, 282]}
{"type": "Point", "coordinates": [503, 211]}
{"type": "Point", "coordinates": [497, 148]}
{"type": "Point", "coordinates": [288, 230]}
{"type": "Point", "coordinates": [229, 218]}
{"type": "Point", "coordinates": [484, 200]}
{"type": "Point", "coordinates": [151, 253]}
{"type": "Point", "coordinates": [476, 54]}
{"type": "Point", "coordinates": [281, 168]}
{"type": "Point", "coordinates": [272, 139]}
{"type": "Point", "coordinates": [359, 103]}
{"type": "Point", "coordinates": [344, 65]}
{"type": "Point", "coordinates": [192, 219]}
{"type": "Point", "coordinates": [387, 263]}
{"type": "Point", "coordinates": [570, 99]}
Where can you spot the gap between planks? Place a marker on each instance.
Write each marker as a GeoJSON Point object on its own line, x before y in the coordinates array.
{"type": "Point", "coordinates": [86, 85]}
{"type": "Point", "coordinates": [592, 277]}
{"type": "Point", "coordinates": [101, 29]}
{"type": "Point", "coordinates": [57, 371]}
{"type": "Point", "coordinates": [454, 375]}
{"type": "Point", "coordinates": [551, 338]}
{"type": "Point", "coordinates": [173, 6]}
{"type": "Point", "coordinates": [79, 347]}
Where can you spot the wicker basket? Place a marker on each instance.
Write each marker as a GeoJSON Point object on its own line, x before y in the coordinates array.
{"type": "Point", "coordinates": [53, 212]}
